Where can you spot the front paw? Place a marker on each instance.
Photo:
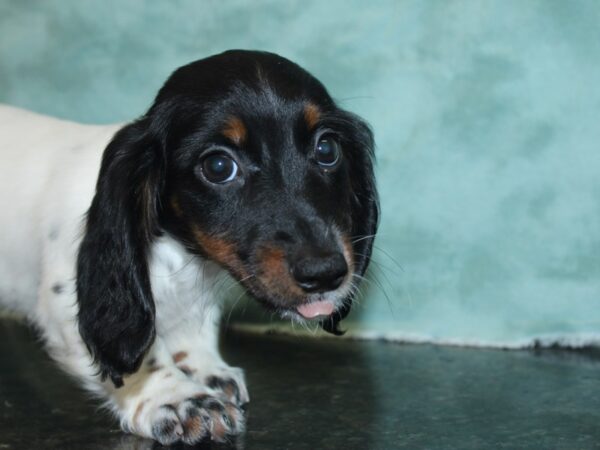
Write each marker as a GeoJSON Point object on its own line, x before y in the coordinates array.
{"type": "Point", "coordinates": [202, 417]}
{"type": "Point", "coordinates": [230, 381]}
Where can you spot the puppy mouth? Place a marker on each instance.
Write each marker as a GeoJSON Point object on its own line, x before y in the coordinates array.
{"type": "Point", "coordinates": [316, 310]}
{"type": "Point", "coordinates": [296, 292]}
{"type": "Point", "coordinates": [311, 307]}
{"type": "Point", "coordinates": [317, 306]}
{"type": "Point", "coordinates": [297, 296]}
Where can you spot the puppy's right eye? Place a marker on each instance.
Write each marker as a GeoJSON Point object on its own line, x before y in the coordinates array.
{"type": "Point", "coordinates": [219, 168]}
{"type": "Point", "coordinates": [327, 152]}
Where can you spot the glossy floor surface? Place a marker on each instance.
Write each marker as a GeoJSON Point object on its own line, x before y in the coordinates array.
{"type": "Point", "coordinates": [333, 394]}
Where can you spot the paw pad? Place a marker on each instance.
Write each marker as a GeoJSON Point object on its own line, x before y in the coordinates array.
{"type": "Point", "coordinates": [227, 386]}
{"type": "Point", "coordinates": [196, 419]}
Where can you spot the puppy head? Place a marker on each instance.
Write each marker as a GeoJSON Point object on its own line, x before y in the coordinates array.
{"type": "Point", "coordinates": [245, 158]}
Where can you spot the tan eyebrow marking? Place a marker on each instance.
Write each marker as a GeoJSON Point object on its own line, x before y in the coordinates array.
{"type": "Point", "coordinates": [235, 130]}
{"type": "Point", "coordinates": [312, 114]}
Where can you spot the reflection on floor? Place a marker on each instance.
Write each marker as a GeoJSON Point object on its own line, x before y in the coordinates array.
{"type": "Point", "coordinates": [328, 394]}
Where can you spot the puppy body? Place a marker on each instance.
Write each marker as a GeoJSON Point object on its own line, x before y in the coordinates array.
{"type": "Point", "coordinates": [48, 171]}
{"type": "Point", "coordinates": [116, 239]}
{"type": "Point", "coordinates": [42, 224]}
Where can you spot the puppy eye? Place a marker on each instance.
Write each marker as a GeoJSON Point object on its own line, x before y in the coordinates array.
{"type": "Point", "coordinates": [219, 168]}
{"type": "Point", "coordinates": [327, 151]}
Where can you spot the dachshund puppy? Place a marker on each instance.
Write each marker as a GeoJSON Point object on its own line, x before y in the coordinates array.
{"type": "Point", "coordinates": [243, 164]}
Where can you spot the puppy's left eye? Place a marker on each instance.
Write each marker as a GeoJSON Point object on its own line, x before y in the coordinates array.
{"type": "Point", "coordinates": [219, 168]}
{"type": "Point", "coordinates": [327, 152]}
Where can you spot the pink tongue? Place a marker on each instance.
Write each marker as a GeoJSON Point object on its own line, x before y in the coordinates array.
{"type": "Point", "coordinates": [314, 309]}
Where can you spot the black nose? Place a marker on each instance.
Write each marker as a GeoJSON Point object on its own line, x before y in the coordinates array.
{"type": "Point", "coordinates": [320, 273]}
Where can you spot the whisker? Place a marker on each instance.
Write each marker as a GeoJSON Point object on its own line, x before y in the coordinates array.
{"type": "Point", "coordinates": [362, 238]}
{"type": "Point", "coordinates": [361, 293]}
{"type": "Point", "coordinates": [389, 256]}
{"type": "Point", "coordinates": [358, 97]}
{"type": "Point", "coordinates": [356, 293]}
{"type": "Point", "coordinates": [381, 267]}
{"type": "Point", "coordinates": [233, 307]}
{"type": "Point", "coordinates": [219, 279]}
{"type": "Point", "coordinates": [171, 274]}
{"type": "Point", "coordinates": [233, 283]}
{"type": "Point", "coordinates": [385, 277]}
{"type": "Point", "coordinates": [381, 288]}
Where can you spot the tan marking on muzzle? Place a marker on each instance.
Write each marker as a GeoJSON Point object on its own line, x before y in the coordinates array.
{"type": "Point", "coordinates": [275, 275]}
{"type": "Point", "coordinates": [221, 251]}
{"type": "Point", "coordinates": [235, 130]}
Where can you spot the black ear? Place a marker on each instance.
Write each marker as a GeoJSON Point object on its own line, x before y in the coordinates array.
{"type": "Point", "coordinates": [364, 204]}
{"type": "Point", "coordinates": [116, 308]}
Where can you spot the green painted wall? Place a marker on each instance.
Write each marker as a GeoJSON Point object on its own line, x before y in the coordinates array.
{"type": "Point", "coordinates": [487, 118]}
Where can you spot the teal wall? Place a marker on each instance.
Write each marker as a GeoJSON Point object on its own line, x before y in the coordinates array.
{"type": "Point", "coordinates": [486, 114]}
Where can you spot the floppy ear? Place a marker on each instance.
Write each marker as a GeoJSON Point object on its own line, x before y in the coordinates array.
{"type": "Point", "coordinates": [364, 204]}
{"type": "Point", "coordinates": [116, 308]}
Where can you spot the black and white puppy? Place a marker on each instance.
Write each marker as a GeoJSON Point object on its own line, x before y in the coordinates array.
{"type": "Point", "coordinates": [243, 163]}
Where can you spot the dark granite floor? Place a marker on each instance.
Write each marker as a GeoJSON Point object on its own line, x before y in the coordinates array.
{"type": "Point", "coordinates": [331, 394]}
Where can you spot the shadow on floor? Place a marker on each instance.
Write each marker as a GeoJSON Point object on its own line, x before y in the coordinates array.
{"type": "Point", "coordinates": [329, 394]}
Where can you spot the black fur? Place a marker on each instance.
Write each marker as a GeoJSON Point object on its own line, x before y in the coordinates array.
{"type": "Point", "coordinates": [150, 183]}
{"type": "Point", "coordinates": [116, 310]}
{"type": "Point", "coordinates": [364, 209]}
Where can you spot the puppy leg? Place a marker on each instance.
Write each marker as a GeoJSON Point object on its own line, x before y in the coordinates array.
{"type": "Point", "coordinates": [184, 391]}
{"type": "Point", "coordinates": [194, 351]}
{"type": "Point", "coordinates": [188, 313]}
{"type": "Point", "coordinates": [161, 402]}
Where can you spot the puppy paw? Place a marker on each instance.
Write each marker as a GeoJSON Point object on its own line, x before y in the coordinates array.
{"type": "Point", "coordinates": [231, 383]}
{"type": "Point", "coordinates": [201, 418]}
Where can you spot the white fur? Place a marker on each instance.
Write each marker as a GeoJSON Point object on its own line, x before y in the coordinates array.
{"type": "Point", "coordinates": [48, 171]}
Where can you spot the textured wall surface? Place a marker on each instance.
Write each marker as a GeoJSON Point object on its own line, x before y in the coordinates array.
{"type": "Point", "coordinates": [487, 118]}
